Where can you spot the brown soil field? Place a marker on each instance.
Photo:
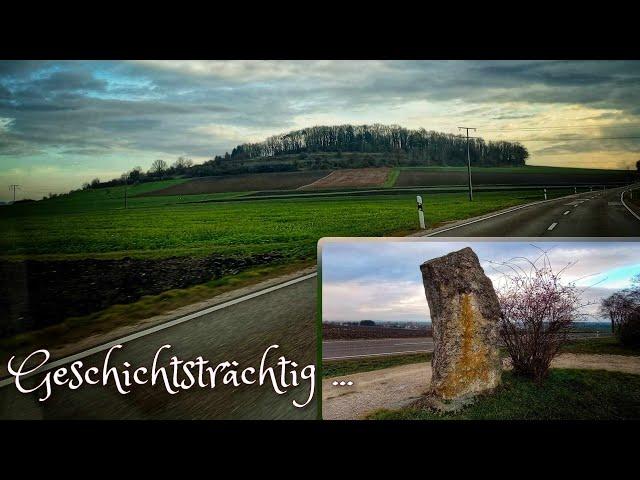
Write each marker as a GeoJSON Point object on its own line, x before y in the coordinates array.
{"type": "Point", "coordinates": [415, 178]}
{"type": "Point", "coordinates": [35, 294]}
{"type": "Point", "coordinates": [245, 182]}
{"type": "Point", "coordinates": [343, 332]}
{"type": "Point", "coordinates": [351, 177]}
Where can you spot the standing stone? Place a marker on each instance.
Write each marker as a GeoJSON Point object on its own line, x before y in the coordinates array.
{"type": "Point", "coordinates": [464, 313]}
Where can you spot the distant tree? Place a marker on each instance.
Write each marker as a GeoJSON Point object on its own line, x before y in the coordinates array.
{"type": "Point", "coordinates": [182, 164]}
{"type": "Point", "coordinates": [86, 186]}
{"type": "Point", "coordinates": [638, 166]}
{"type": "Point", "coordinates": [367, 323]}
{"type": "Point", "coordinates": [135, 175]}
{"type": "Point", "coordinates": [158, 167]}
{"type": "Point", "coordinates": [95, 183]}
{"type": "Point", "coordinates": [617, 307]}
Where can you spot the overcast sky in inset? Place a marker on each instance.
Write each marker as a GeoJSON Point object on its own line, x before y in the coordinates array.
{"type": "Point", "coordinates": [381, 280]}
{"type": "Point", "coordinates": [64, 123]}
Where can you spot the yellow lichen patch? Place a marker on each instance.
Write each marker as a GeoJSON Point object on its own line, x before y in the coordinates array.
{"type": "Point", "coordinates": [472, 365]}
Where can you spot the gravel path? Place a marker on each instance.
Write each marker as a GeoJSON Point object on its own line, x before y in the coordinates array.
{"type": "Point", "coordinates": [399, 386]}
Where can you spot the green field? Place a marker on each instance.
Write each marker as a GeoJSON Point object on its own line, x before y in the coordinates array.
{"type": "Point", "coordinates": [95, 224]}
{"type": "Point", "coordinates": [564, 395]}
{"type": "Point", "coordinates": [525, 169]}
{"type": "Point", "coordinates": [339, 368]}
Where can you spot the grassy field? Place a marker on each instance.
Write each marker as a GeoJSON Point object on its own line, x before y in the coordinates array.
{"type": "Point", "coordinates": [339, 368]}
{"type": "Point", "coordinates": [564, 395]}
{"type": "Point", "coordinates": [525, 169]}
{"type": "Point", "coordinates": [601, 346]}
{"type": "Point", "coordinates": [95, 224]}
{"type": "Point", "coordinates": [529, 175]}
{"type": "Point", "coordinates": [392, 178]}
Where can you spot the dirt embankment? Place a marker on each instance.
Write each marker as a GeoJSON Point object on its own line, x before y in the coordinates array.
{"type": "Point", "coordinates": [356, 177]}
{"type": "Point", "coordinates": [345, 332]}
{"type": "Point", "coordinates": [35, 294]}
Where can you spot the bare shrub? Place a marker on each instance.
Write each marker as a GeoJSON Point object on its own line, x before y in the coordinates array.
{"type": "Point", "coordinates": [537, 312]}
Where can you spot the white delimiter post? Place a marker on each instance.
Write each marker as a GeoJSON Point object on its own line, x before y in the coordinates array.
{"type": "Point", "coordinates": [420, 212]}
{"type": "Point", "coordinates": [545, 193]}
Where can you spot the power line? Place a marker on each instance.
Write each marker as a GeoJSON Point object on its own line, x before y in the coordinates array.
{"type": "Point", "coordinates": [14, 187]}
{"type": "Point", "coordinates": [582, 139]}
{"type": "Point", "coordinates": [468, 161]}
{"type": "Point", "coordinates": [568, 127]}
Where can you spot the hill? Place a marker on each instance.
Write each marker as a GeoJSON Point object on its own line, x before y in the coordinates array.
{"type": "Point", "coordinates": [336, 147]}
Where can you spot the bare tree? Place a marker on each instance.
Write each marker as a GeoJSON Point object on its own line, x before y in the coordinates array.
{"type": "Point", "coordinates": [182, 163]}
{"type": "Point", "coordinates": [537, 311]}
{"type": "Point", "coordinates": [158, 167]}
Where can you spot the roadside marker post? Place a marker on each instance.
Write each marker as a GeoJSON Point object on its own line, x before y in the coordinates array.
{"type": "Point", "coordinates": [420, 212]}
{"type": "Point", "coordinates": [575, 190]}
{"type": "Point", "coordinates": [545, 193]}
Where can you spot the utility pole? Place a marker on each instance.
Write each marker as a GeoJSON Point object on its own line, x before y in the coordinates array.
{"type": "Point", "coordinates": [469, 162]}
{"type": "Point", "coordinates": [14, 187]}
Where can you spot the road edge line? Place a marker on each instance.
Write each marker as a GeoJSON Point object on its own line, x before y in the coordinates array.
{"type": "Point", "coordinates": [156, 328]}
{"type": "Point", "coordinates": [493, 215]}
{"type": "Point", "coordinates": [627, 206]}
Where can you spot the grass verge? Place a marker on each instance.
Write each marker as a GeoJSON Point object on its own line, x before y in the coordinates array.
{"type": "Point", "coordinates": [602, 346]}
{"type": "Point", "coordinates": [391, 178]}
{"type": "Point", "coordinates": [564, 395]}
{"type": "Point", "coordinates": [79, 328]}
{"type": "Point", "coordinates": [339, 368]}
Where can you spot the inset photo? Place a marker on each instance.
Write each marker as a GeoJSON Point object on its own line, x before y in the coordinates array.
{"type": "Point", "coordinates": [480, 329]}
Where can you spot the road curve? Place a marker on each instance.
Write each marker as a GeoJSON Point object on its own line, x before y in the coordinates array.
{"type": "Point", "coordinates": [591, 214]}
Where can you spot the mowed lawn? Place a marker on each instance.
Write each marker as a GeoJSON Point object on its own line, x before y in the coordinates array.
{"type": "Point", "coordinates": [95, 224]}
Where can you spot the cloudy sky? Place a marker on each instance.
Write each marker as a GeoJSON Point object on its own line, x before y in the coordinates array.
{"type": "Point", "coordinates": [381, 279]}
{"type": "Point", "coordinates": [63, 123]}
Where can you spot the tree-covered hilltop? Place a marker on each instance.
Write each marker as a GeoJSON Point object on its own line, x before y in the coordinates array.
{"type": "Point", "coordinates": [335, 147]}
{"type": "Point", "coordinates": [432, 148]}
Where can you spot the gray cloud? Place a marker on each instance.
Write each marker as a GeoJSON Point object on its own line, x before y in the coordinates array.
{"type": "Point", "coordinates": [150, 107]}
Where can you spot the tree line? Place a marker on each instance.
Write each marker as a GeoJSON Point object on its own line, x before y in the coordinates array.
{"type": "Point", "coordinates": [434, 148]}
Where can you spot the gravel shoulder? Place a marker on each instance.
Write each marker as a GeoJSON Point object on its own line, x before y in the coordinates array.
{"type": "Point", "coordinates": [396, 387]}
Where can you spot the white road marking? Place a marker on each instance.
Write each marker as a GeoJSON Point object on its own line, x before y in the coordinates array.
{"type": "Point", "coordinates": [567, 212]}
{"type": "Point", "coordinates": [377, 354]}
{"type": "Point", "coordinates": [520, 207]}
{"type": "Point", "coordinates": [627, 206]}
{"type": "Point", "coordinates": [552, 226]}
{"type": "Point", "coordinates": [157, 328]}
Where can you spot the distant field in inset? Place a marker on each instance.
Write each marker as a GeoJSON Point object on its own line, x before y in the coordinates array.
{"type": "Point", "coordinates": [351, 177]}
{"type": "Point", "coordinates": [242, 183]}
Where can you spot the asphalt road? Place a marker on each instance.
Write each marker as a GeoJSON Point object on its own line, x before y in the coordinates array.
{"type": "Point", "coordinates": [240, 332]}
{"type": "Point", "coordinates": [592, 214]}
